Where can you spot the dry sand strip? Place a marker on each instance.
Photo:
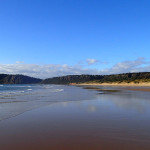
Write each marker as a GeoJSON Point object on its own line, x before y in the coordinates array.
{"type": "Point", "coordinates": [143, 84]}
{"type": "Point", "coordinates": [123, 86]}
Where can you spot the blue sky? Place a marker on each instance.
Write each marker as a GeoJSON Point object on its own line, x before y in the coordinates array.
{"type": "Point", "coordinates": [90, 36]}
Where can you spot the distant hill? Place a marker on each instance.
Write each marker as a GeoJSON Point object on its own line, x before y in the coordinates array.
{"type": "Point", "coordinates": [125, 77]}
{"type": "Point", "coordinates": [71, 79]}
{"type": "Point", "coordinates": [18, 79]}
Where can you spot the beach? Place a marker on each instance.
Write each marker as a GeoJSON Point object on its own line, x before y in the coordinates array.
{"type": "Point", "coordinates": [128, 86]}
{"type": "Point", "coordinates": [80, 119]}
{"type": "Point", "coordinates": [141, 84]}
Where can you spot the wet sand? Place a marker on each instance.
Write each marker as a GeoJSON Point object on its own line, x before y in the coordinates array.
{"type": "Point", "coordinates": [138, 89]}
{"type": "Point", "coordinates": [46, 129]}
{"type": "Point", "coordinates": [109, 122]}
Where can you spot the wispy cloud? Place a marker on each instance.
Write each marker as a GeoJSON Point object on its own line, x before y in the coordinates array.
{"type": "Point", "coordinates": [95, 61]}
{"type": "Point", "coordinates": [51, 70]}
{"type": "Point", "coordinates": [19, 62]}
{"type": "Point", "coordinates": [44, 71]}
{"type": "Point", "coordinates": [91, 61]}
{"type": "Point", "coordinates": [129, 66]}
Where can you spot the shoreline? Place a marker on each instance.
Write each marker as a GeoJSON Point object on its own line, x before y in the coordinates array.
{"type": "Point", "coordinates": [118, 84]}
{"type": "Point", "coordinates": [145, 87]}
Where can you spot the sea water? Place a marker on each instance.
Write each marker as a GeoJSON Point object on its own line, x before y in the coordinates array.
{"type": "Point", "coordinates": [18, 98]}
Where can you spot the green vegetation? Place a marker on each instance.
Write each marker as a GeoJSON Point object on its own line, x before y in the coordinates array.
{"type": "Point", "coordinates": [116, 78]}
{"type": "Point", "coordinates": [75, 79]}
{"type": "Point", "coordinates": [17, 79]}
{"type": "Point", "coordinates": [71, 79]}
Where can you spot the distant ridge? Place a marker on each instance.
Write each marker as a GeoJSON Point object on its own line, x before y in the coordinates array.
{"type": "Point", "coordinates": [75, 79]}
{"type": "Point", "coordinates": [118, 78]}
{"type": "Point", "coordinates": [71, 79]}
{"type": "Point", "coordinates": [18, 79]}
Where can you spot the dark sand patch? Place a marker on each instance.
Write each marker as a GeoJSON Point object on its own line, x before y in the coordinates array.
{"type": "Point", "coordinates": [138, 89]}
{"type": "Point", "coordinates": [99, 89]}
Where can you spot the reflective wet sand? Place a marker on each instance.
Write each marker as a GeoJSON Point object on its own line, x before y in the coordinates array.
{"type": "Point", "coordinates": [110, 121]}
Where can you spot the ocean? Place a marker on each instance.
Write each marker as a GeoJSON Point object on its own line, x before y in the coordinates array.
{"type": "Point", "coordinates": [18, 98]}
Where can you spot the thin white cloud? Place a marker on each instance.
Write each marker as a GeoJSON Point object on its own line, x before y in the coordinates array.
{"type": "Point", "coordinates": [128, 66]}
{"type": "Point", "coordinates": [91, 61]}
{"type": "Point", "coordinates": [43, 71]}
{"type": "Point", "coordinates": [52, 70]}
{"type": "Point", "coordinates": [19, 62]}
{"type": "Point", "coordinates": [95, 61]}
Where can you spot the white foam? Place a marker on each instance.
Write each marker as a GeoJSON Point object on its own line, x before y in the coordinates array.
{"type": "Point", "coordinates": [48, 87]}
{"type": "Point", "coordinates": [29, 89]}
{"type": "Point", "coordinates": [59, 90]}
{"type": "Point", "coordinates": [11, 92]}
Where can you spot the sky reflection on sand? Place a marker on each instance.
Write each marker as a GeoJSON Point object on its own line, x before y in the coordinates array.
{"type": "Point", "coordinates": [111, 121]}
